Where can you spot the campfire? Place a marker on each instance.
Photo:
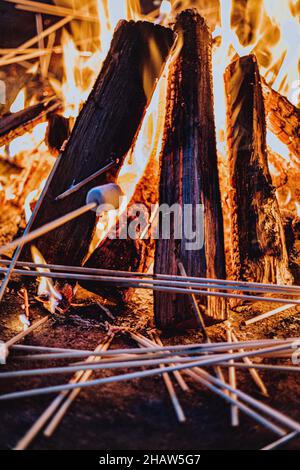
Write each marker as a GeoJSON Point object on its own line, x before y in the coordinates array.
{"type": "Point", "coordinates": [154, 155]}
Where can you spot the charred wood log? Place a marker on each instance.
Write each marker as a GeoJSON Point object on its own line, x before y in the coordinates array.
{"type": "Point", "coordinates": [258, 244]}
{"type": "Point", "coordinates": [17, 124]}
{"type": "Point", "coordinates": [189, 173]}
{"type": "Point", "coordinates": [58, 131]}
{"type": "Point", "coordinates": [104, 132]}
{"type": "Point", "coordinates": [283, 118]}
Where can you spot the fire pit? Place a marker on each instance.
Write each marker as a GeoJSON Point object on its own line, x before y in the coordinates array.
{"type": "Point", "coordinates": [150, 219]}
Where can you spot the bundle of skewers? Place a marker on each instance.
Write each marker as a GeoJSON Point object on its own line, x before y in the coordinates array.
{"type": "Point", "coordinates": [151, 358]}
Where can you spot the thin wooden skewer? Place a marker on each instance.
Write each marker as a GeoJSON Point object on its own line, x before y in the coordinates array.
{"type": "Point", "coordinates": [84, 377]}
{"type": "Point", "coordinates": [195, 361]}
{"type": "Point", "coordinates": [52, 10]}
{"type": "Point", "coordinates": [178, 376]}
{"type": "Point", "coordinates": [50, 48]}
{"type": "Point", "coordinates": [76, 274]}
{"type": "Point", "coordinates": [268, 410]}
{"type": "Point", "coordinates": [59, 353]}
{"type": "Point", "coordinates": [229, 399]}
{"type": "Point", "coordinates": [145, 342]}
{"type": "Point", "coordinates": [41, 44]}
{"type": "Point", "coordinates": [253, 372]}
{"type": "Point", "coordinates": [47, 228]}
{"type": "Point", "coordinates": [283, 440]}
{"type": "Point", "coordinates": [46, 415]}
{"type": "Point", "coordinates": [24, 333]}
{"type": "Point", "coordinates": [200, 319]}
{"type": "Point", "coordinates": [269, 314]}
{"type": "Point", "coordinates": [171, 391]}
{"type": "Point", "coordinates": [232, 381]}
{"type": "Point", "coordinates": [223, 283]}
{"type": "Point", "coordinates": [73, 189]}
{"type": "Point", "coordinates": [35, 39]}
{"type": "Point", "coordinates": [129, 376]}
{"type": "Point", "coordinates": [134, 283]}
{"type": "Point", "coordinates": [26, 303]}
{"type": "Point", "coordinates": [271, 367]}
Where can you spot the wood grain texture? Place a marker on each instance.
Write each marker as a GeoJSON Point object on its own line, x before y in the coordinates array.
{"type": "Point", "coordinates": [104, 131]}
{"type": "Point", "coordinates": [257, 237]}
{"type": "Point", "coordinates": [189, 173]}
{"type": "Point", "coordinates": [283, 118]}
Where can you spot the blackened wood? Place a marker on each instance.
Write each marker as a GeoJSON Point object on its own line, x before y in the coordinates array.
{"type": "Point", "coordinates": [257, 237]}
{"type": "Point", "coordinates": [58, 131]}
{"type": "Point", "coordinates": [17, 124]}
{"type": "Point", "coordinates": [125, 253]}
{"type": "Point", "coordinates": [104, 131]}
{"type": "Point", "coordinates": [283, 118]}
{"type": "Point", "coordinates": [189, 172]}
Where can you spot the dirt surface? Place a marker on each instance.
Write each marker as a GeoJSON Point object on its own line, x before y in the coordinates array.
{"type": "Point", "coordinates": [138, 414]}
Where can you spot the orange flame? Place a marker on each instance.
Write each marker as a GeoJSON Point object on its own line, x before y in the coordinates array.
{"type": "Point", "coordinates": [46, 287]}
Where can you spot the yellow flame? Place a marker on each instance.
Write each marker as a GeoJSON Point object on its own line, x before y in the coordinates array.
{"type": "Point", "coordinates": [46, 287]}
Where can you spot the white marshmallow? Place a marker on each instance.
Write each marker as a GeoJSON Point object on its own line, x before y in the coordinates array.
{"type": "Point", "coordinates": [107, 196]}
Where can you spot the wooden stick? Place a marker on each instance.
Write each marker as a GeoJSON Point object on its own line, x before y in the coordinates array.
{"type": "Point", "coordinates": [271, 412]}
{"type": "Point", "coordinates": [178, 376]}
{"type": "Point", "coordinates": [126, 282]}
{"type": "Point", "coordinates": [48, 227]}
{"type": "Point", "coordinates": [138, 279]}
{"type": "Point", "coordinates": [24, 333]}
{"type": "Point", "coordinates": [26, 303]}
{"type": "Point", "coordinates": [35, 39]}
{"type": "Point", "coordinates": [200, 320]}
{"type": "Point", "coordinates": [263, 316]}
{"type": "Point", "coordinates": [60, 353]}
{"type": "Point", "coordinates": [41, 44]}
{"type": "Point", "coordinates": [274, 368]}
{"type": "Point", "coordinates": [132, 375]}
{"type": "Point", "coordinates": [46, 415]}
{"type": "Point", "coordinates": [232, 381]}
{"type": "Point", "coordinates": [283, 440]}
{"type": "Point", "coordinates": [229, 399]}
{"type": "Point", "coordinates": [169, 386]}
{"type": "Point", "coordinates": [52, 10]}
{"type": "Point", "coordinates": [74, 188]}
{"type": "Point", "coordinates": [262, 287]}
{"type": "Point", "coordinates": [83, 377]}
{"type": "Point", "coordinates": [254, 374]}
{"type": "Point", "coordinates": [50, 48]}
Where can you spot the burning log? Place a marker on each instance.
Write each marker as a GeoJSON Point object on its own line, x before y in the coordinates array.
{"type": "Point", "coordinates": [189, 172]}
{"type": "Point", "coordinates": [283, 118]}
{"type": "Point", "coordinates": [17, 124]}
{"type": "Point", "coordinates": [258, 244]}
{"type": "Point", "coordinates": [104, 132]}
